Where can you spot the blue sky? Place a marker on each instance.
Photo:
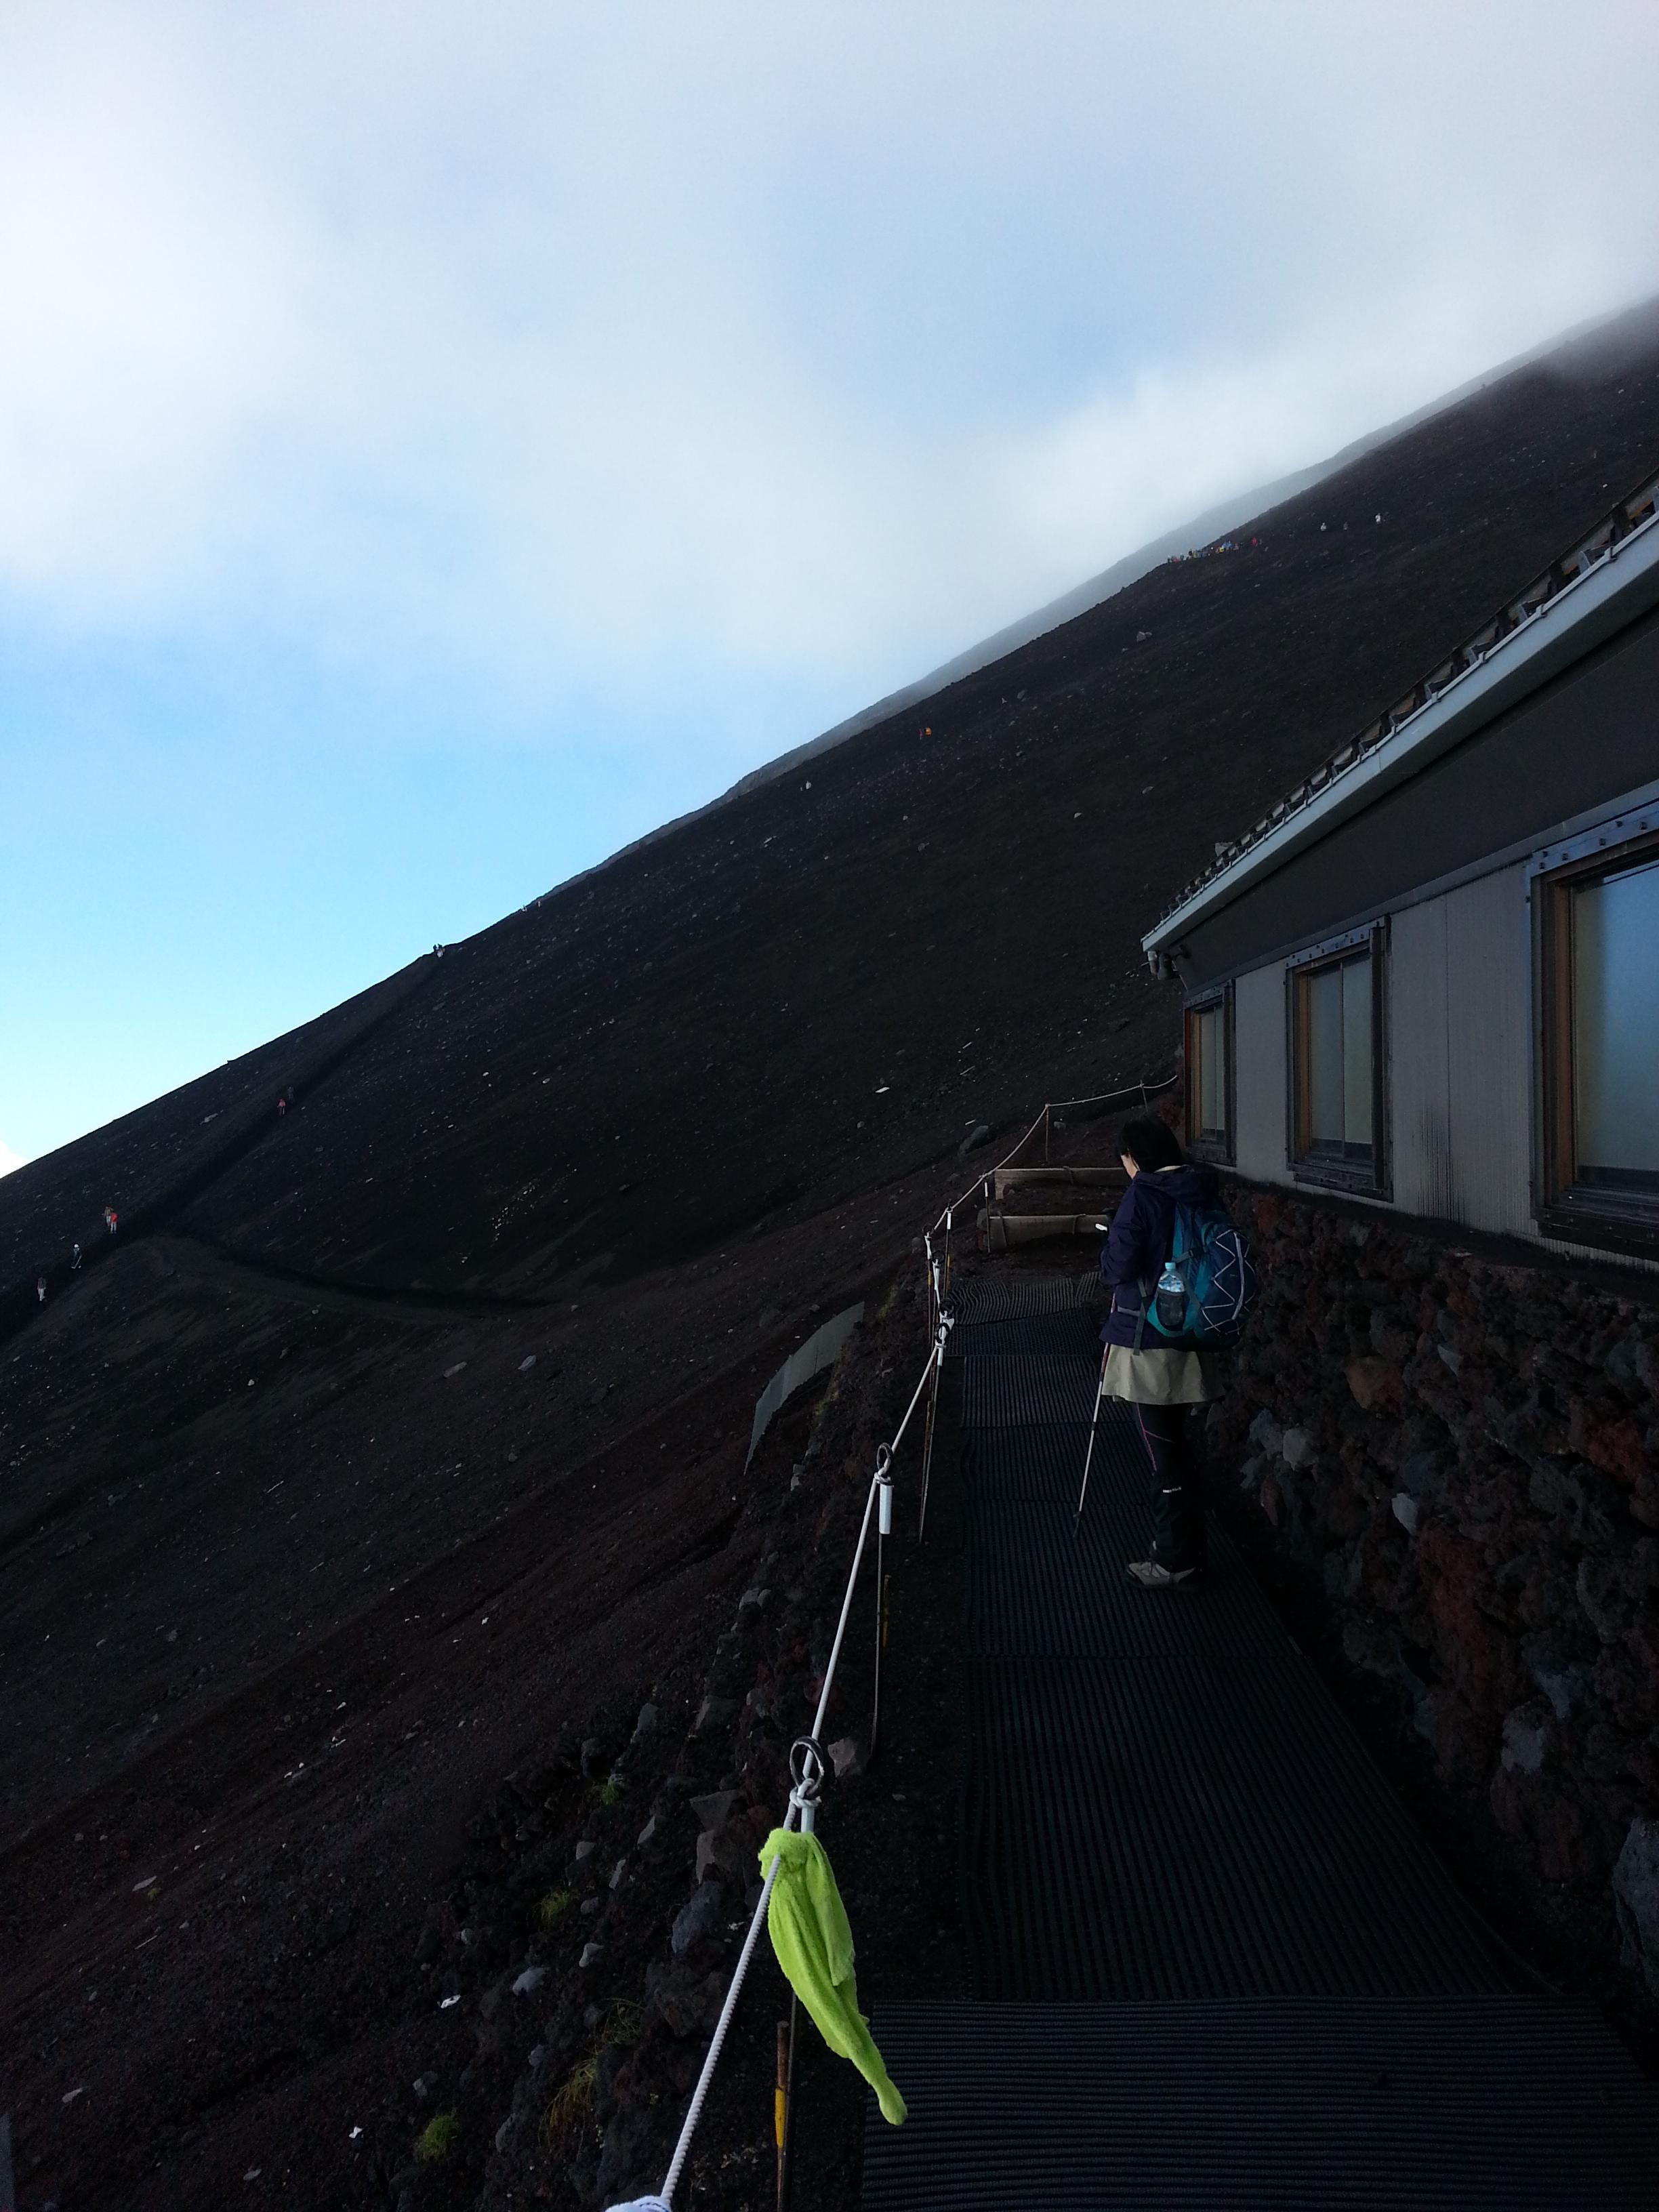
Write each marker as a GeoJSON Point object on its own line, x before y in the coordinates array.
{"type": "Point", "coordinates": [437, 444]}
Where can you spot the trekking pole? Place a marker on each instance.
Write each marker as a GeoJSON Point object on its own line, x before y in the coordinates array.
{"type": "Point", "coordinates": [1094, 1424]}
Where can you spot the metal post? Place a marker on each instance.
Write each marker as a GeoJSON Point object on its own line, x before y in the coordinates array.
{"type": "Point", "coordinates": [927, 1437]}
{"type": "Point", "coordinates": [1045, 1134]}
{"type": "Point", "coordinates": [781, 2103]}
{"type": "Point", "coordinates": [785, 2172]}
{"type": "Point", "coordinates": [884, 1530]}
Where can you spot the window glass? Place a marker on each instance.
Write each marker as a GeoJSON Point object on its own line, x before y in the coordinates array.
{"type": "Point", "coordinates": [1210, 1045]}
{"type": "Point", "coordinates": [1335, 1045]}
{"type": "Point", "coordinates": [1357, 1052]}
{"type": "Point", "coordinates": [1324, 1049]}
{"type": "Point", "coordinates": [1615, 1029]}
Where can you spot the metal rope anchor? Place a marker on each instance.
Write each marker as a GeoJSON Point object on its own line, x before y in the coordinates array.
{"type": "Point", "coordinates": [947, 1322]}
{"type": "Point", "coordinates": [809, 1763]}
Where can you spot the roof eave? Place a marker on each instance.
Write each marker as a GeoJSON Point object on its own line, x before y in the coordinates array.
{"type": "Point", "coordinates": [1591, 608]}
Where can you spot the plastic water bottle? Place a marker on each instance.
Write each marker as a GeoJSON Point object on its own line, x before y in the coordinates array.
{"type": "Point", "coordinates": [1170, 1299]}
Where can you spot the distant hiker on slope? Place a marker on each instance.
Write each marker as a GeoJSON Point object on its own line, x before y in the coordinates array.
{"type": "Point", "coordinates": [75, 1260]}
{"type": "Point", "coordinates": [39, 1289]}
{"type": "Point", "coordinates": [111, 1219]}
{"type": "Point", "coordinates": [1167, 1384]}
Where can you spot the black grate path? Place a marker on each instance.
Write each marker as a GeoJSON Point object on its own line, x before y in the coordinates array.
{"type": "Point", "coordinates": [1218, 1965]}
{"type": "Point", "coordinates": [1078, 1330]}
{"type": "Point", "coordinates": [1003, 1298]}
{"type": "Point", "coordinates": [1036, 1591]}
{"type": "Point", "coordinates": [1491, 2103]}
{"type": "Point", "coordinates": [1028, 1388]}
{"type": "Point", "coordinates": [1188, 1826]}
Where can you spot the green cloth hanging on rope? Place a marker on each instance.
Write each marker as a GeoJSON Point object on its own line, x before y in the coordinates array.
{"type": "Point", "coordinates": [807, 1922]}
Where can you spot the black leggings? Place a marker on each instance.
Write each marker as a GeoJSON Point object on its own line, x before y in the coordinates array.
{"type": "Point", "coordinates": [1172, 1436]}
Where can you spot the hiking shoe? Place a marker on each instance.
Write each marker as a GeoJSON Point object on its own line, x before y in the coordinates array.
{"type": "Point", "coordinates": [1150, 1576]}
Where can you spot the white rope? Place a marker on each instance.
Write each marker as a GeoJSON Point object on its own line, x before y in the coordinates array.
{"type": "Point", "coordinates": [846, 1609]}
{"type": "Point", "coordinates": [1140, 1090]}
{"type": "Point", "coordinates": [803, 1795]}
{"type": "Point", "coordinates": [694, 2111]}
{"type": "Point", "coordinates": [947, 1322]}
{"type": "Point", "coordinates": [1112, 1098]}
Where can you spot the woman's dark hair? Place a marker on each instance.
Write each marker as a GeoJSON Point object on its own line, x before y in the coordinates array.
{"type": "Point", "coordinates": [1150, 1144]}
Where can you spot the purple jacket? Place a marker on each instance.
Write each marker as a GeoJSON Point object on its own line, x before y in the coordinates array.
{"type": "Point", "coordinates": [1142, 1234]}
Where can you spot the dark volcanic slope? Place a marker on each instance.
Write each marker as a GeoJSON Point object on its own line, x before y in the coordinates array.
{"type": "Point", "coordinates": [696, 1035]}
{"type": "Point", "coordinates": [262, 1505]}
{"type": "Point", "coordinates": [150, 1160]}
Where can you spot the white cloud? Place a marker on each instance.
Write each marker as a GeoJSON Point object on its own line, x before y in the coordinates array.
{"type": "Point", "coordinates": [10, 1159]}
{"type": "Point", "coordinates": [608, 346]}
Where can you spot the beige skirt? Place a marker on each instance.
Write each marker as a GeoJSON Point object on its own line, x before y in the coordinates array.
{"type": "Point", "coordinates": [1162, 1377]}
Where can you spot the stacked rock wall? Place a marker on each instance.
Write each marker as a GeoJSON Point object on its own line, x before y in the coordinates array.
{"type": "Point", "coordinates": [1463, 1453]}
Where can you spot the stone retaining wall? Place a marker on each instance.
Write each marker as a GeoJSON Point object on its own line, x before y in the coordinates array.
{"type": "Point", "coordinates": [1464, 1453]}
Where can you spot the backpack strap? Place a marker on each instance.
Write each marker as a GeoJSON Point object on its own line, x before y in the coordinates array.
{"type": "Point", "coordinates": [1145, 1289]}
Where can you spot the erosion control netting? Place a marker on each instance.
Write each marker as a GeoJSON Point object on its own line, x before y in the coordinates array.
{"type": "Point", "coordinates": [821, 1350]}
{"type": "Point", "coordinates": [1217, 1964]}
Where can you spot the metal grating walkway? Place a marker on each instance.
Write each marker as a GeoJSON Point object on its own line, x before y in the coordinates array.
{"type": "Point", "coordinates": [1217, 1964]}
{"type": "Point", "coordinates": [1495, 2104]}
{"type": "Point", "coordinates": [998, 1298]}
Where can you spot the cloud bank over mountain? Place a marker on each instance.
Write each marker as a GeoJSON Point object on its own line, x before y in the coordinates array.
{"type": "Point", "coordinates": [436, 446]}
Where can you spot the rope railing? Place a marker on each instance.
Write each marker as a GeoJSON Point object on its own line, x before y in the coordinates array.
{"type": "Point", "coordinates": [1106, 1100]}
{"type": "Point", "coordinates": [808, 1762]}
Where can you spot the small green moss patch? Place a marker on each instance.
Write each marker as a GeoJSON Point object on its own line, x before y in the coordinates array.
{"type": "Point", "coordinates": [438, 2138]}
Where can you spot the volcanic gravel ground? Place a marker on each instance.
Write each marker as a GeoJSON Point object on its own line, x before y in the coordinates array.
{"type": "Point", "coordinates": [265, 1646]}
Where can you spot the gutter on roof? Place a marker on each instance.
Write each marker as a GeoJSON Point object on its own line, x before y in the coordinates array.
{"type": "Point", "coordinates": [1592, 591]}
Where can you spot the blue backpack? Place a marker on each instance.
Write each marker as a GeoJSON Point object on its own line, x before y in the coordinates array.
{"type": "Point", "coordinates": [1208, 1285]}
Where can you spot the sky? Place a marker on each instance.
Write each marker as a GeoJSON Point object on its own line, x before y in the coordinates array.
{"type": "Point", "coordinates": [439, 444]}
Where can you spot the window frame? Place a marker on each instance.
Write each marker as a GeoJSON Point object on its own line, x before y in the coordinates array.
{"type": "Point", "coordinates": [1562, 1207]}
{"type": "Point", "coordinates": [1218, 1149]}
{"type": "Point", "coordinates": [1370, 1178]}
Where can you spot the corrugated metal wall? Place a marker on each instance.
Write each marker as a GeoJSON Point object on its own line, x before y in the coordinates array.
{"type": "Point", "coordinates": [1460, 1078]}
{"type": "Point", "coordinates": [1459, 1075]}
{"type": "Point", "coordinates": [1488, 1025]}
{"type": "Point", "coordinates": [1259, 1074]}
{"type": "Point", "coordinates": [1419, 1081]}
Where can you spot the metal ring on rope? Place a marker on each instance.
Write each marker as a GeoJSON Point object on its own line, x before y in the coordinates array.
{"type": "Point", "coordinates": [809, 1763]}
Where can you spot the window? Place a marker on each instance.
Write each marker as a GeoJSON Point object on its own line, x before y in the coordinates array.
{"type": "Point", "coordinates": [1598, 970]}
{"type": "Point", "coordinates": [1337, 1064]}
{"type": "Point", "coordinates": [1209, 1078]}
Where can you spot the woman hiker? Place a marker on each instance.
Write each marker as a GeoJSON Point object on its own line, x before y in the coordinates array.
{"type": "Point", "coordinates": [1167, 1385]}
